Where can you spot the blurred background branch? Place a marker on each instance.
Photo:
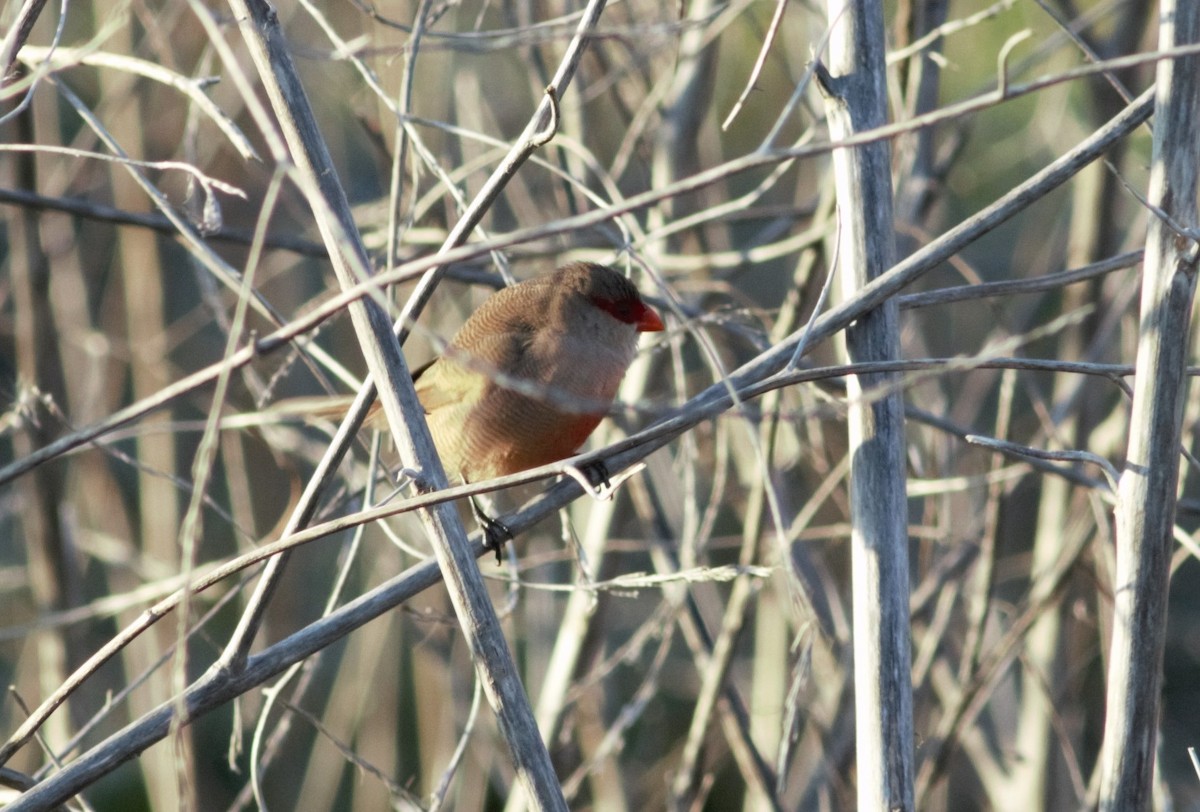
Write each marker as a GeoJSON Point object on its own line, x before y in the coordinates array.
{"type": "Point", "coordinates": [688, 643]}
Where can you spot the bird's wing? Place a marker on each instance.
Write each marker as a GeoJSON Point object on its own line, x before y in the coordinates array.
{"type": "Point", "coordinates": [465, 372]}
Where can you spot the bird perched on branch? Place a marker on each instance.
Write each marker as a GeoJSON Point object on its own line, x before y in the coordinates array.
{"type": "Point", "coordinates": [531, 373]}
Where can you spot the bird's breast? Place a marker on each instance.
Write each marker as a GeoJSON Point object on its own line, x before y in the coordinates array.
{"type": "Point", "coordinates": [564, 386]}
{"type": "Point", "coordinates": [586, 366]}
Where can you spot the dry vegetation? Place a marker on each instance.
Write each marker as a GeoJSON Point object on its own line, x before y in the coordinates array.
{"type": "Point", "coordinates": [687, 644]}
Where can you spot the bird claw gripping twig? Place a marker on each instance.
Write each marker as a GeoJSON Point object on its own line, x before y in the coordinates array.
{"type": "Point", "coordinates": [594, 478]}
{"type": "Point", "coordinates": [597, 474]}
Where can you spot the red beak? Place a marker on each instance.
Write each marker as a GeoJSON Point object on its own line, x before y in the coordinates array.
{"type": "Point", "coordinates": [649, 321]}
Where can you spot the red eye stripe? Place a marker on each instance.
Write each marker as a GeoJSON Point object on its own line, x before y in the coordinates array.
{"type": "Point", "coordinates": [631, 311]}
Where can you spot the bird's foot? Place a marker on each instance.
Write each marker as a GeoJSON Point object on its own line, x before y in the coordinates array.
{"type": "Point", "coordinates": [495, 532]}
{"type": "Point", "coordinates": [593, 478]}
{"type": "Point", "coordinates": [597, 475]}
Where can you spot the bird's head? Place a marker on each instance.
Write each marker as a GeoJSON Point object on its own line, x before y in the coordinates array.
{"type": "Point", "coordinates": [610, 292]}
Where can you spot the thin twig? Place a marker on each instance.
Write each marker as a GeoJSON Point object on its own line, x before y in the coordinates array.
{"type": "Point", "coordinates": [1110, 472]}
{"type": "Point", "coordinates": [759, 62]}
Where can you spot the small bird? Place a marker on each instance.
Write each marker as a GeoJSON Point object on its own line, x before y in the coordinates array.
{"type": "Point", "coordinates": [532, 372]}
{"type": "Point", "coordinates": [530, 375]}
{"type": "Point", "coordinates": [526, 379]}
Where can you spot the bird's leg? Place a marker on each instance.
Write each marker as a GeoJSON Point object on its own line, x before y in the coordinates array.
{"type": "Point", "coordinates": [495, 533]}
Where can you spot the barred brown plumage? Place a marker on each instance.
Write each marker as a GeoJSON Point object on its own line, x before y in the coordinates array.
{"type": "Point", "coordinates": [532, 372]}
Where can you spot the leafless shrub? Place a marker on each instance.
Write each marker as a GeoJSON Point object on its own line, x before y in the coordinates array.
{"type": "Point", "coordinates": [685, 644]}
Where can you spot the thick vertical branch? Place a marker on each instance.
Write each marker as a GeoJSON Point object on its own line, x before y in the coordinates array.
{"type": "Point", "coordinates": [856, 100]}
{"type": "Point", "coordinates": [1146, 503]}
{"type": "Point", "coordinates": [468, 593]}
